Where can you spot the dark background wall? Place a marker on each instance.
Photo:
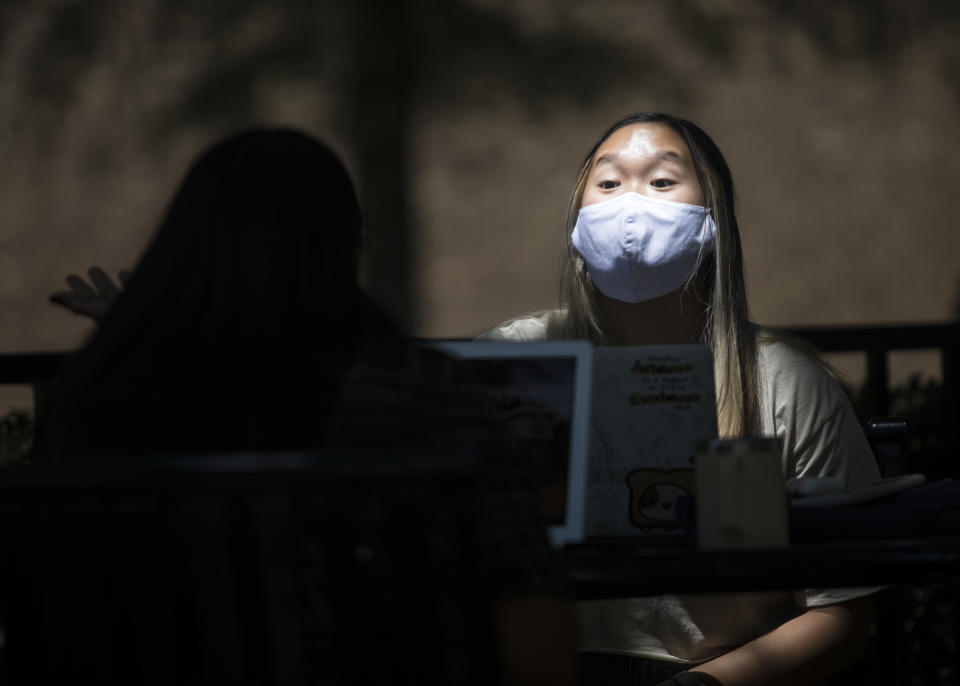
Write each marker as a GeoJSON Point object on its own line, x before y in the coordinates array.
{"type": "Point", "coordinates": [463, 122]}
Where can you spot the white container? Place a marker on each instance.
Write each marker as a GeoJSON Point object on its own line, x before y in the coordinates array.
{"type": "Point", "coordinates": [741, 499]}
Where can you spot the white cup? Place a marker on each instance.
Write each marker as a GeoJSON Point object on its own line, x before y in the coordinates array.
{"type": "Point", "coordinates": [741, 499]}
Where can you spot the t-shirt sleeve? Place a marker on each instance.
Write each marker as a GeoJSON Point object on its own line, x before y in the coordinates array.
{"type": "Point", "coordinates": [821, 436]}
{"type": "Point", "coordinates": [813, 418]}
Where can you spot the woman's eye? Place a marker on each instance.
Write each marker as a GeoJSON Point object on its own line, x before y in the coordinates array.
{"type": "Point", "coordinates": [609, 185]}
{"type": "Point", "coordinates": [661, 183]}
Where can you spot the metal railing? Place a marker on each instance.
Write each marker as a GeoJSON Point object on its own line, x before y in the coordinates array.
{"type": "Point", "coordinates": [878, 341]}
{"type": "Point", "coordinates": [37, 370]}
{"type": "Point", "coordinates": [41, 369]}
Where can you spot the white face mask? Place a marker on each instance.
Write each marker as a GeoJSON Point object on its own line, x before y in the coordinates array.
{"type": "Point", "coordinates": [638, 248]}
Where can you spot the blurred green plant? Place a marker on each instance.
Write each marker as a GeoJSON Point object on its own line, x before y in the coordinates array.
{"type": "Point", "coordinates": [16, 436]}
{"type": "Point", "coordinates": [922, 402]}
{"type": "Point", "coordinates": [929, 630]}
{"type": "Point", "coordinates": [918, 400]}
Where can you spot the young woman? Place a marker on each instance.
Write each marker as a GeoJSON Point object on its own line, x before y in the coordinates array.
{"type": "Point", "coordinates": [653, 256]}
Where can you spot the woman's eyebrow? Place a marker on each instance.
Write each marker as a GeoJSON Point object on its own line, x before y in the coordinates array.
{"type": "Point", "coordinates": [670, 156]}
{"type": "Point", "coordinates": [608, 158]}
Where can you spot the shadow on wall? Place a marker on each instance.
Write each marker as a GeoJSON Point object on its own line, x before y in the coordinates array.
{"type": "Point", "coordinates": [380, 58]}
{"type": "Point", "coordinates": [205, 65]}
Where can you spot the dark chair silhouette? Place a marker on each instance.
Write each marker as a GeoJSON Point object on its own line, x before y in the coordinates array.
{"type": "Point", "coordinates": [889, 439]}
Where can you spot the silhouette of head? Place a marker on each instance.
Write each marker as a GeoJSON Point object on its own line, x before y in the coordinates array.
{"type": "Point", "coordinates": [236, 327]}
{"type": "Point", "coordinates": [267, 214]}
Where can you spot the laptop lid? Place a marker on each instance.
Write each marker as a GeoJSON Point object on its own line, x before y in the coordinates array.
{"type": "Point", "coordinates": [545, 390]}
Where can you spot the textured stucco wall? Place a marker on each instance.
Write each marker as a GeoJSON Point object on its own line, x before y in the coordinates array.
{"type": "Point", "coordinates": [845, 145]}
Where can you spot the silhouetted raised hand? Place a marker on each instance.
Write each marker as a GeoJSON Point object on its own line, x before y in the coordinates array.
{"type": "Point", "coordinates": [93, 299]}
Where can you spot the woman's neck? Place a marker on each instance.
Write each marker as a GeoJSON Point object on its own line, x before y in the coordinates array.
{"type": "Point", "coordinates": [676, 317]}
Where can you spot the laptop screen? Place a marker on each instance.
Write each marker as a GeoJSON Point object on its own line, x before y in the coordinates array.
{"type": "Point", "coordinates": [544, 391]}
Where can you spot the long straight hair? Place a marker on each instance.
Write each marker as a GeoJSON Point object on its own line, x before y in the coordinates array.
{"type": "Point", "coordinates": [727, 330]}
{"type": "Point", "coordinates": [240, 319]}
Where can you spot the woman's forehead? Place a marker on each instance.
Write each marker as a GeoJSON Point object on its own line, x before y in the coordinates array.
{"type": "Point", "coordinates": [643, 141]}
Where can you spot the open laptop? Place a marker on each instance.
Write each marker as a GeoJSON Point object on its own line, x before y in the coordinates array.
{"type": "Point", "coordinates": [626, 421]}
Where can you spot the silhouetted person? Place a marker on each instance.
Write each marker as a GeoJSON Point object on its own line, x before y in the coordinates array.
{"type": "Point", "coordinates": [240, 319]}
{"type": "Point", "coordinates": [243, 328]}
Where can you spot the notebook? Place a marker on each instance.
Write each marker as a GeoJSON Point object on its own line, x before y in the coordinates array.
{"type": "Point", "coordinates": [651, 406]}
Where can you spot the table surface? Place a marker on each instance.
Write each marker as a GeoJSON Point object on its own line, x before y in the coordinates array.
{"type": "Point", "coordinates": [624, 570]}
